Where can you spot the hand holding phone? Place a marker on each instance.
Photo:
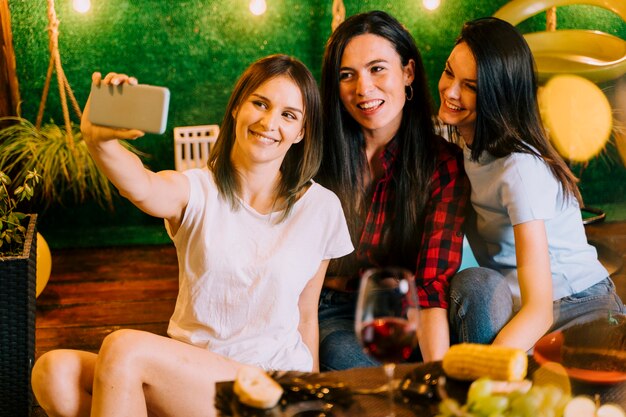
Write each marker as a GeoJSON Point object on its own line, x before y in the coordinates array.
{"type": "Point", "coordinates": [143, 107]}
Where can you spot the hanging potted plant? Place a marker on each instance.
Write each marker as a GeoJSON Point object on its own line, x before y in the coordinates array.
{"type": "Point", "coordinates": [68, 172]}
{"type": "Point", "coordinates": [57, 152]}
{"type": "Point", "coordinates": [18, 276]}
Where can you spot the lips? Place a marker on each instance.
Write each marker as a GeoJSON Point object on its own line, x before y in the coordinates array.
{"type": "Point", "coordinates": [264, 139]}
{"type": "Point", "coordinates": [370, 105]}
{"type": "Point", "coordinates": [452, 106]}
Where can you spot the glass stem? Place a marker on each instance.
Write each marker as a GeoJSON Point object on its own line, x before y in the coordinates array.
{"type": "Point", "coordinates": [389, 372]}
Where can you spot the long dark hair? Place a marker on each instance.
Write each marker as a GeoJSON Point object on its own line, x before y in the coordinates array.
{"type": "Point", "coordinates": [344, 161]}
{"type": "Point", "coordinates": [507, 113]}
{"type": "Point", "coordinates": [301, 161]}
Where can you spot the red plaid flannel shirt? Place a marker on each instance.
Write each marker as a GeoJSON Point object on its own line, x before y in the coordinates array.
{"type": "Point", "coordinates": [439, 255]}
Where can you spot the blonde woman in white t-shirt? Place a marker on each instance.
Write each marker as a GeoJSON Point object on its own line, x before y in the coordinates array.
{"type": "Point", "coordinates": [254, 235]}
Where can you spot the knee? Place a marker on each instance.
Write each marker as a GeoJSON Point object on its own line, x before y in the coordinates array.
{"type": "Point", "coordinates": [481, 303]}
{"type": "Point", "coordinates": [117, 355]}
{"type": "Point", "coordinates": [54, 370]}
{"type": "Point", "coordinates": [56, 382]}
{"type": "Point", "coordinates": [48, 372]}
{"type": "Point", "coordinates": [341, 350]}
{"type": "Point", "coordinates": [477, 284]}
{"type": "Point", "coordinates": [119, 358]}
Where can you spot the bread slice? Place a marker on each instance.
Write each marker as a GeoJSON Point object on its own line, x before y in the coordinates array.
{"type": "Point", "coordinates": [254, 387]}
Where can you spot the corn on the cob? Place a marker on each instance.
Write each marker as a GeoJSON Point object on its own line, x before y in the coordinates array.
{"type": "Point", "coordinates": [469, 361]}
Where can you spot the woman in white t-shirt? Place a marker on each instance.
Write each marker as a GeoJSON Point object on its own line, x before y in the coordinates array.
{"type": "Point", "coordinates": [254, 235]}
{"type": "Point", "coordinates": [540, 272]}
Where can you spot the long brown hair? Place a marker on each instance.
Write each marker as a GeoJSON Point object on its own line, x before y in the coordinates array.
{"type": "Point", "coordinates": [344, 160]}
{"type": "Point", "coordinates": [301, 161]}
{"type": "Point", "coordinates": [507, 113]}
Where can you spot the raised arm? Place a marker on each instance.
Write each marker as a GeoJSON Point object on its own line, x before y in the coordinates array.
{"type": "Point", "coordinates": [164, 194]}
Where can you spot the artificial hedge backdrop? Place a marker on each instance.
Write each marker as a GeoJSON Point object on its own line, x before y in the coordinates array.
{"type": "Point", "coordinates": [198, 48]}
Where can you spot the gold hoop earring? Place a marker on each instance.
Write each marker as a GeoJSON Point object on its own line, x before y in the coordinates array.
{"type": "Point", "coordinates": [409, 94]}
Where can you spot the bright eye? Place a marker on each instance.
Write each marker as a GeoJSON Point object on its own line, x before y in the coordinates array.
{"type": "Point", "coordinates": [344, 76]}
{"type": "Point", "coordinates": [377, 69]}
{"type": "Point", "coordinates": [290, 115]}
{"type": "Point", "coordinates": [260, 104]}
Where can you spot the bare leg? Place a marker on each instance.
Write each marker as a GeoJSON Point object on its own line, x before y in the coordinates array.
{"type": "Point", "coordinates": [62, 381]}
{"type": "Point", "coordinates": [139, 372]}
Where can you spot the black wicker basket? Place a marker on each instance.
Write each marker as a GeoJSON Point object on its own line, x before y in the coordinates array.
{"type": "Point", "coordinates": [18, 280]}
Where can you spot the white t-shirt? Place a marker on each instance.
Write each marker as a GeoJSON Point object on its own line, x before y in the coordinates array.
{"type": "Point", "coordinates": [520, 188]}
{"type": "Point", "coordinates": [241, 273]}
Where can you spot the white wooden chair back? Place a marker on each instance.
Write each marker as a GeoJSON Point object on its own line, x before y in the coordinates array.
{"type": "Point", "coordinates": [192, 145]}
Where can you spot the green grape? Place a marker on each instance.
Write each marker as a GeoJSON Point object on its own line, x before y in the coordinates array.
{"type": "Point", "coordinates": [449, 408]}
{"type": "Point", "coordinates": [547, 412]}
{"type": "Point", "coordinates": [514, 395]}
{"type": "Point", "coordinates": [551, 397]}
{"type": "Point", "coordinates": [539, 401]}
{"type": "Point", "coordinates": [480, 388]}
{"type": "Point", "coordinates": [554, 400]}
{"type": "Point", "coordinates": [489, 406]}
{"type": "Point", "coordinates": [537, 394]}
{"type": "Point", "coordinates": [527, 405]}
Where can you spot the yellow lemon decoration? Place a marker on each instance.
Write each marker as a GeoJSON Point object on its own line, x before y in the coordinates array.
{"type": "Point", "coordinates": [592, 54]}
{"type": "Point", "coordinates": [44, 264]}
{"type": "Point", "coordinates": [577, 115]}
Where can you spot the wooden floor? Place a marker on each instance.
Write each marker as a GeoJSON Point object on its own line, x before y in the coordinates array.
{"type": "Point", "coordinates": [92, 292]}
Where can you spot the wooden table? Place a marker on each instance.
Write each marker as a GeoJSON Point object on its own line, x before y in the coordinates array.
{"type": "Point", "coordinates": [375, 405]}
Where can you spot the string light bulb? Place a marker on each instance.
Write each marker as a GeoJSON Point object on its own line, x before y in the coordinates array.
{"type": "Point", "coordinates": [257, 7]}
{"type": "Point", "coordinates": [431, 4]}
{"type": "Point", "coordinates": [81, 6]}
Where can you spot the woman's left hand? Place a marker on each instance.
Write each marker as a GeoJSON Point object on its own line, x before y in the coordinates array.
{"type": "Point", "coordinates": [94, 134]}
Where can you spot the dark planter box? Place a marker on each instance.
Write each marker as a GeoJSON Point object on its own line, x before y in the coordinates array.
{"type": "Point", "coordinates": [18, 280]}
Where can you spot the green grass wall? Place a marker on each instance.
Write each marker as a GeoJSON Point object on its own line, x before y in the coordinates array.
{"type": "Point", "coordinates": [198, 48]}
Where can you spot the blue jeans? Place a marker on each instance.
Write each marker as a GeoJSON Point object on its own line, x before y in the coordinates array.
{"type": "Point", "coordinates": [339, 347]}
{"type": "Point", "coordinates": [481, 305]}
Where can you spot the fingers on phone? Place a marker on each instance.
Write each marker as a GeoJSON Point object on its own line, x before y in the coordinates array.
{"type": "Point", "coordinates": [114, 78]}
{"type": "Point", "coordinates": [96, 77]}
{"type": "Point", "coordinates": [133, 134]}
{"type": "Point", "coordinates": [110, 78]}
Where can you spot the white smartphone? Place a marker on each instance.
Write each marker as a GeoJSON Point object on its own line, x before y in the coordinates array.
{"type": "Point", "coordinates": [141, 106]}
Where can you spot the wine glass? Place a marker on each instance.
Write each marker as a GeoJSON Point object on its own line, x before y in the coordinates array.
{"type": "Point", "coordinates": [386, 321]}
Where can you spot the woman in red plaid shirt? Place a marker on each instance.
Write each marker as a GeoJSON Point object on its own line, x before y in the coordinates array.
{"type": "Point", "coordinates": [402, 187]}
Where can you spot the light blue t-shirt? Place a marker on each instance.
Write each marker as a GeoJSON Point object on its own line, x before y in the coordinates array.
{"type": "Point", "coordinates": [520, 188]}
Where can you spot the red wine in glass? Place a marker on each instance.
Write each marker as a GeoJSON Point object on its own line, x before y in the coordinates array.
{"type": "Point", "coordinates": [387, 319]}
{"type": "Point", "coordinates": [388, 339]}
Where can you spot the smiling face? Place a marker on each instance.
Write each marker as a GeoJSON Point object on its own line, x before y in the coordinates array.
{"type": "Point", "coordinates": [372, 84]}
{"type": "Point", "coordinates": [457, 91]}
{"type": "Point", "coordinates": [268, 122]}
